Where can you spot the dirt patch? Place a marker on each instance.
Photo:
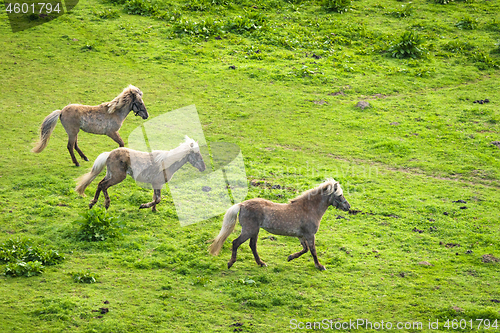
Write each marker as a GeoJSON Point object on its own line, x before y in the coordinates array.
{"type": "Point", "coordinates": [337, 93]}
{"type": "Point", "coordinates": [488, 258]}
{"type": "Point", "coordinates": [417, 230]}
{"type": "Point", "coordinates": [363, 105]}
{"type": "Point", "coordinates": [459, 201]}
{"type": "Point", "coordinates": [425, 263]}
{"type": "Point", "coordinates": [450, 245]}
{"type": "Point", "coordinates": [320, 102]}
{"type": "Point", "coordinates": [496, 143]}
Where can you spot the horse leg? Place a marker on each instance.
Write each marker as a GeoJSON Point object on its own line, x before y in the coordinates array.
{"type": "Point", "coordinates": [236, 243]}
{"type": "Point", "coordinates": [117, 177]}
{"type": "Point", "coordinates": [71, 145]}
{"type": "Point", "coordinates": [96, 196]}
{"type": "Point", "coordinates": [312, 248]}
{"type": "Point", "coordinates": [253, 246]}
{"type": "Point", "coordinates": [82, 155]}
{"type": "Point", "coordinates": [115, 136]}
{"type": "Point", "coordinates": [298, 254]}
{"type": "Point", "coordinates": [152, 204]}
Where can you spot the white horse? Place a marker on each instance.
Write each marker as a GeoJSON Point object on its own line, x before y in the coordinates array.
{"type": "Point", "coordinates": [155, 168]}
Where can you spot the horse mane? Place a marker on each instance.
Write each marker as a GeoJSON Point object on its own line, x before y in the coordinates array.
{"type": "Point", "coordinates": [165, 158]}
{"type": "Point", "coordinates": [125, 98]}
{"type": "Point", "coordinates": [325, 188]}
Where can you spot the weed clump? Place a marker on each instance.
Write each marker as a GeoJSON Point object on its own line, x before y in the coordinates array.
{"type": "Point", "coordinates": [98, 225]}
{"type": "Point", "coordinates": [204, 28]}
{"type": "Point", "coordinates": [23, 258]}
{"type": "Point", "coordinates": [141, 7]}
{"type": "Point", "coordinates": [404, 11]}
{"type": "Point", "coordinates": [467, 23]}
{"type": "Point", "coordinates": [458, 47]}
{"type": "Point", "coordinates": [84, 277]}
{"type": "Point", "coordinates": [107, 13]}
{"type": "Point", "coordinates": [339, 6]}
{"type": "Point", "coordinates": [409, 45]}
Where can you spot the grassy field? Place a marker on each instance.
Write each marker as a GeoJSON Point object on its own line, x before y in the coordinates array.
{"type": "Point", "coordinates": [281, 79]}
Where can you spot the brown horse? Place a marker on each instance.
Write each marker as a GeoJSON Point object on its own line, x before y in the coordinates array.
{"type": "Point", "coordinates": [106, 118]}
{"type": "Point", "coordinates": [155, 168]}
{"type": "Point", "coordinates": [300, 218]}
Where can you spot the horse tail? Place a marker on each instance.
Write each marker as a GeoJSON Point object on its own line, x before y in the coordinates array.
{"type": "Point", "coordinates": [87, 178]}
{"type": "Point", "coordinates": [46, 129]}
{"type": "Point", "coordinates": [227, 228]}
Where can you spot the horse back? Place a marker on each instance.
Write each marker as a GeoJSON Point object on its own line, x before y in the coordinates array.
{"type": "Point", "coordinates": [91, 119]}
{"type": "Point", "coordinates": [277, 218]}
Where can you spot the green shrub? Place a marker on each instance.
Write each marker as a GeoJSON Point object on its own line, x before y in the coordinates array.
{"type": "Point", "coordinates": [404, 11]}
{"type": "Point", "coordinates": [497, 44]}
{"type": "Point", "coordinates": [208, 27]}
{"type": "Point", "coordinates": [458, 46]}
{"type": "Point", "coordinates": [141, 7]}
{"type": "Point", "coordinates": [198, 5]}
{"type": "Point", "coordinates": [409, 45]}
{"type": "Point", "coordinates": [23, 250]}
{"type": "Point", "coordinates": [22, 268]}
{"type": "Point", "coordinates": [339, 6]}
{"type": "Point", "coordinates": [108, 13]}
{"type": "Point", "coordinates": [249, 23]}
{"type": "Point", "coordinates": [97, 225]}
{"type": "Point", "coordinates": [467, 23]}
{"type": "Point", "coordinates": [84, 277]}
{"type": "Point", "coordinates": [484, 61]}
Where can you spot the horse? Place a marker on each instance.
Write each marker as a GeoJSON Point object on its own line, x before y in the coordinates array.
{"type": "Point", "coordinates": [106, 118]}
{"type": "Point", "coordinates": [299, 218]}
{"type": "Point", "coordinates": [155, 168]}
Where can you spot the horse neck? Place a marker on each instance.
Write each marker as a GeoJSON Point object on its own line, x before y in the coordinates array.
{"type": "Point", "coordinates": [175, 166]}
{"type": "Point", "coordinates": [315, 203]}
{"type": "Point", "coordinates": [124, 111]}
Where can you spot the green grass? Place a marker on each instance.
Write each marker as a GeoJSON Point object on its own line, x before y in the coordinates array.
{"type": "Point", "coordinates": [290, 106]}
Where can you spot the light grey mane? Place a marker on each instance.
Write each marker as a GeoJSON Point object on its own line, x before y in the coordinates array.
{"type": "Point", "coordinates": [325, 188]}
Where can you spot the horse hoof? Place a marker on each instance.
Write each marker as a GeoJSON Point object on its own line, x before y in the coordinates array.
{"type": "Point", "coordinates": [77, 164]}
{"type": "Point", "coordinates": [142, 206]}
{"type": "Point", "coordinates": [290, 258]}
{"type": "Point", "coordinates": [263, 264]}
{"type": "Point", "coordinates": [85, 159]}
{"type": "Point", "coordinates": [321, 268]}
{"type": "Point", "coordinates": [229, 264]}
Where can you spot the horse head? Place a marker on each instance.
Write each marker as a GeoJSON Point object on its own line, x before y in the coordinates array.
{"type": "Point", "coordinates": [138, 106]}
{"type": "Point", "coordinates": [195, 157]}
{"type": "Point", "coordinates": [337, 198]}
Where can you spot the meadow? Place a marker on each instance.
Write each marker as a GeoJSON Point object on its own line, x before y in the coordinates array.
{"type": "Point", "coordinates": [282, 80]}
